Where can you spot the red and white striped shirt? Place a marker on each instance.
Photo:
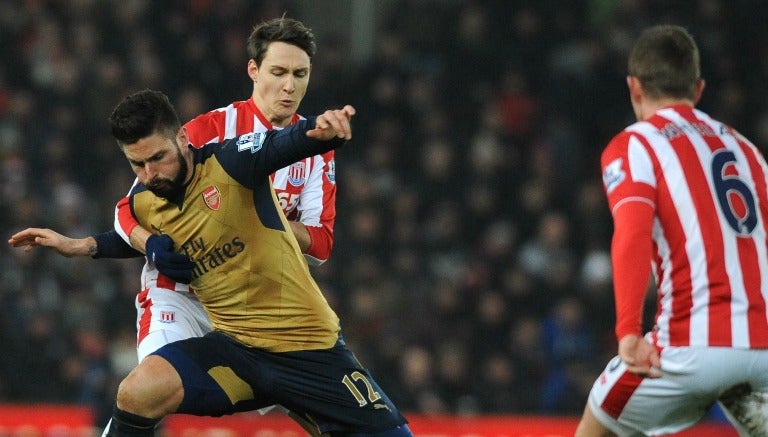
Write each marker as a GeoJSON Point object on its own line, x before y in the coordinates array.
{"type": "Point", "coordinates": [306, 189]}
{"type": "Point", "coordinates": [703, 190]}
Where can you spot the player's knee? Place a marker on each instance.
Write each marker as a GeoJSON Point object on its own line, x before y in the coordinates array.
{"type": "Point", "coordinates": [129, 398]}
{"type": "Point", "coordinates": [153, 389]}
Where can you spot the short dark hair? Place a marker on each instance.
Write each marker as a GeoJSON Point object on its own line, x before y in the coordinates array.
{"type": "Point", "coordinates": [665, 59]}
{"type": "Point", "coordinates": [281, 29]}
{"type": "Point", "coordinates": [142, 114]}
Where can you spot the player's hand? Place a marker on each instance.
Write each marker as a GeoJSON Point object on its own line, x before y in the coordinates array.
{"type": "Point", "coordinates": [641, 357]}
{"type": "Point", "coordinates": [32, 237]}
{"type": "Point", "coordinates": [333, 123]}
{"type": "Point", "coordinates": [171, 264]}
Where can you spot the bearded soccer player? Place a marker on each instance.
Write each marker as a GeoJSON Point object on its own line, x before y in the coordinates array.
{"type": "Point", "coordinates": [275, 339]}
{"type": "Point", "coordinates": [689, 201]}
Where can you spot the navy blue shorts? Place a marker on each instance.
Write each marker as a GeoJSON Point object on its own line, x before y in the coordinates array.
{"type": "Point", "coordinates": [328, 387]}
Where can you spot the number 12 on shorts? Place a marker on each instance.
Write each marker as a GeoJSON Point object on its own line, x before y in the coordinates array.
{"type": "Point", "coordinates": [348, 381]}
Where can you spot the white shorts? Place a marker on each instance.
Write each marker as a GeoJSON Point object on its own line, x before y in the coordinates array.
{"type": "Point", "coordinates": [164, 316]}
{"type": "Point", "coordinates": [694, 378]}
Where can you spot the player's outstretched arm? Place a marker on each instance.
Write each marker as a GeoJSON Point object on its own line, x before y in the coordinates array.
{"type": "Point", "coordinates": [105, 245]}
{"type": "Point", "coordinates": [66, 246]}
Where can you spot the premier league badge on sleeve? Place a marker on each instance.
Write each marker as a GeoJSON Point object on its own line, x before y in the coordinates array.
{"type": "Point", "coordinates": [613, 175]}
{"type": "Point", "coordinates": [252, 142]}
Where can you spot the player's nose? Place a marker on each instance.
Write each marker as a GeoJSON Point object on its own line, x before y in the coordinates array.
{"type": "Point", "coordinates": [150, 171]}
{"type": "Point", "coordinates": [290, 84]}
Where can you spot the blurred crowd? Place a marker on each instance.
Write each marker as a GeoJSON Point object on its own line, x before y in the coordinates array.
{"type": "Point", "coordinates": [471, 269]}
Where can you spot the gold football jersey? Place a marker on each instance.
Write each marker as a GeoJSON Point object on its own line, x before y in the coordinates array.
{"type": "Point", "coordinates": [250, 274]}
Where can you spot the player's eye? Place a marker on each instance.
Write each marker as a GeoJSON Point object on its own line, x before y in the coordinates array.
{"type": "Point", "coordinates": [157, 157]}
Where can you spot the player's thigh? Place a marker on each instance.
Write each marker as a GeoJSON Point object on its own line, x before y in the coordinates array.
{"type": "Point", "coordinates": [330, 388]}
{"type": "Point", "coordinates": [630, 405]}
{"type": "Point", "coordinates": [218, 375]}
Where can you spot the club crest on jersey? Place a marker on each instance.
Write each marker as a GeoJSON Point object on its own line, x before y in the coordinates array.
{"type": "Point", "coordinates": [613, 175]}
{"type": "Point", "coordinates": [252, 141]}
{"type": "Point", "coordinates": [212, 197]}
{"type": "Point", "coordinates": [331, 173]}
{"type": "Point", "coordinates": [167, 316]}
{"type": "Point", "coordinates": [297, 173]}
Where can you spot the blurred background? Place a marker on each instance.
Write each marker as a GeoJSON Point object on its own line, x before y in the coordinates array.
{"type": "Point", "coordinates": [471, 265]}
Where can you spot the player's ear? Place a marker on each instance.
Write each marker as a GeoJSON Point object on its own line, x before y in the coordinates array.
{"type": "Point", "coordinates": [253, 69]}
{"type": "Point", "coordinates": [633, 84]}
{"type": "Point", "coordinates": [699, 90]}
{"type": "Point", "coordinates": [635, 88]}
{"type": "Point", "coordinates": [181, 137]}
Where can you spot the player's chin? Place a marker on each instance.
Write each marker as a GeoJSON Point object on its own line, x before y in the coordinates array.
{"type": "Point", "coordinates": [163, 189]}
{"type": "Point", "coordinates": [286, 108]}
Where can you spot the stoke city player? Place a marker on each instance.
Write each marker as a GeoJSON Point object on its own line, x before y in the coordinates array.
{"type": "Point", "coordinates": [689, 200]}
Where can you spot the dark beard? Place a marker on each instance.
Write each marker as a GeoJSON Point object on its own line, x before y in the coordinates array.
{"type": "Point", "coordinates": [170, 188]}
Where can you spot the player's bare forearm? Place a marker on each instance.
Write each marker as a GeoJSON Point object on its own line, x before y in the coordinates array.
{"type": "Point", "coordinates": [302, 235]}
{"type": "Point", "coordinates": [66, 246]}
{"type": "Point", "coordinates": [138, 238]}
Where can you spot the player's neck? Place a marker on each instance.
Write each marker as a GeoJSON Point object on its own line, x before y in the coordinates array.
{"type": "Point", "coordinates": [650, 107]}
